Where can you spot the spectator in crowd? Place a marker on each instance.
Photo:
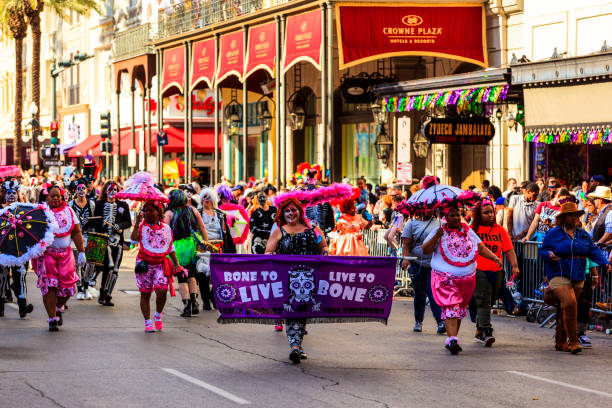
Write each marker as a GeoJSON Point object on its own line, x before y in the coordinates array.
{"type": "Point", "coordinates": [521, 211]}
{"type": "Point", "coordinates": [363, 199]}
{"type": "Point", "coordinates": [237, 192]}
{"type": "Point", "coordinates": [596, 180]}
{"type": "Point", "coordinates": [551, 190]}
{"type": "Point", "coordinates": [590, 216]}
{"type": "Point", "coordinates": [485, 185]}
{"type": "Point", "coordinates": [512, 188]}
{"type": "Point", "coordinates": [602, 229]}
{"type": "Point", "coordinates": [371, 196]}
{"type": "Point", "coordinates": [544, 218]}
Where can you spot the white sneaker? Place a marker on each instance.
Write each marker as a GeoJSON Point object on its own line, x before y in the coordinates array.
{"type": "Point", "coordinates": [80, 296]}
{"type": "Point", "coordinates": [87, 296]}
{"type": "Point", "coordinates": [93, 292]}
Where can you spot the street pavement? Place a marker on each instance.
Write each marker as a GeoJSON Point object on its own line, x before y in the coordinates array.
{"type": "Point", "coordinates": [103, 358]}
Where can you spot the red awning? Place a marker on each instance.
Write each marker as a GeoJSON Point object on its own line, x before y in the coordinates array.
{"type": "Point", "coordinates": [231, 56]}
{"type": "Point", "coordinates": [262, 49]}
{"type": "Point", "coordinates": [303, 39]}
{"type": "Point", "coordinates": [174, 70]}
{"type": "Point", "coordinates": [456, 31]}
{"type": "Point", "coordinates": [203, 140]}
{"type": "Point", "coordinates": [91, 145]}
{"type": "Point", "coordinates": [203, 63]}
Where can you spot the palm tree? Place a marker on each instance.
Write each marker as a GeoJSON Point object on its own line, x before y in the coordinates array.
{"type": "Point", "coordinates": [33, 9]}
{"type": "Point", "coordinates": [13, 22]}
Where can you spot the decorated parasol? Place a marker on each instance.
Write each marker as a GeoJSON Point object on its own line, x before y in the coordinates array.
{"type": "Point", "coordinates": [9, 171]}
{"type": "Point", "coordinates": [333, 193]}
{"type": "Point", "coordinates": [26, 230]}
{"type": "Point", "coordinates": [434, 195]}
{"type": "Point", "coordinates": [140, 187]}
{"type": "Point", "coordinates": [237, 221]}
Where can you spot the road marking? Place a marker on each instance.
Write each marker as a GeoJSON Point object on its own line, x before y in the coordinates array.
{"type": "Point", "coordinates": [130, 292]}
{"type": "Point", "coordinates": [209, 387]}
{"type": "Point", "coordinates": [535, 377]}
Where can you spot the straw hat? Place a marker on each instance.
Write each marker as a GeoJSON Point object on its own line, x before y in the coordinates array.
{"type": "Point", "coordinates": [571, 209]}
{"type": "Point", "coordinates": [602, 192]}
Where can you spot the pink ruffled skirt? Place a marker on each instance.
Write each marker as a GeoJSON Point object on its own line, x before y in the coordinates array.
{"type": "Point", "coordinates": [452, 293]}
{"type": "Point", "coordinates": [55, 269]}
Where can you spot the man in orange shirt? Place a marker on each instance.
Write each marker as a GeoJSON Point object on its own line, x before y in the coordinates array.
{"type": "Point", "coordinates": [489, 276]}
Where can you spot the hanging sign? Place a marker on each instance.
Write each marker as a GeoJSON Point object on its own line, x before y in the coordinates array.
{"type": "Point", "coordinates": [303, 39]}
{"type": "Point", "coordinates": [261, 51]}
{"type": "Point", "coordinates": [174, 69]}
{"type": "Point", "coordinates": [231, 56]}
{"type": "Point", "coordinates": [162, 138]}
{"type": "Point", "coordinates": [404, 172]}
{"type": "Point", "coordinates": [203, 63]}
{"type": "Point", "coordinates": [380, 30]}
{"type": "Point", "coordinates": [459, 130]}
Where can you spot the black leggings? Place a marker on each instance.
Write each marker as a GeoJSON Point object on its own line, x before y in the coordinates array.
{"type": "Point", "coordinates": [204, 284]}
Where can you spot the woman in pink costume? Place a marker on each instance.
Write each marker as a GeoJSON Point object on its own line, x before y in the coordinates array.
{"type": "Point", "coordinates": [55, 268]}
{"type": "Point", "coordinates": [349, 226]}
{"type": "Point", "coordinates": [455, 247]}
{"type": "Point", "coordinates": [154, 270]}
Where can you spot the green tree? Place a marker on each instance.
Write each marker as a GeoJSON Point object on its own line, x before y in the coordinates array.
{"type": "Point", "coordinates": [13, 22]}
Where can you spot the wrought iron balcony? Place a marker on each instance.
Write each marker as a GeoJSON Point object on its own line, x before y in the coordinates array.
{"type": "Point", "coordinates": [181, 16]}
{"type": "Point", "coordinates": [134, 42]}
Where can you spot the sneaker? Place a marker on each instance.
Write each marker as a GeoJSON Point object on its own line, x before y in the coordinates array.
{"type": "Point", "coordinates": [303, 355]}
{"type": "Point", "coordinates": [80, 296]}
{"type": "Point", "coordinates": [479, 337]}
{"type": "Point", "coordinates": [53, 325]}
{"type": "Point", "coordinates": [295, 356]}
{"type": "Point", "coordinates": [585, 342]}
{"type": "Point", "coordinates": [488, 337]}
{"type": "Point", "coordinates": [149, 326]}
{"type": "Point", "coordinates": [158, 322]}
{"type": "Point", "coordinates": [87, 296]}
{"type": "Point", "coordinates": [441, 328]}
{"type": "Point", "coordinates": [454, 347]}
{"type": "Point", "coordinates": [278, 327]}
{"type": "Point", "coordinates": [93, 292]}
{"type": "Point", "coordinates": [418, 327]}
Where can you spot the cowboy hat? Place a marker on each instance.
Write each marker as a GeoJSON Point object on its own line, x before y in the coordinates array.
{"type": "Point", "coordinates": [570, 208]}
{"type": "Point", "coordinates": [602, 192]}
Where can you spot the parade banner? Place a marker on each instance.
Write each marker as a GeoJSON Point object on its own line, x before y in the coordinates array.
{"type": "Point", "coordinates": [231, 56]}
{"type": "Point", "coordinates": [174, 69]}
{"type": "Point", "coordinates": [261, 51]}
{"type": "Point", "coordinates": [456, 31]}
{"type": "Point", "coordinates": [303, 39]}
{"type": "Point", "coordinates": [319, 289]}
{"type": "Point", "coordinates": [203, 63]}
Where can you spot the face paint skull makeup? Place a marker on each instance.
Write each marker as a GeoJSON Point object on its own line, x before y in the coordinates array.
{"type": "Point", "coordinates": [112, 191]}
{"type": "Point", "coordinates": [81, 190]}
{"type": "Point", "coordinates": [261, 199]}
{"type": "Point", "coordinates": [291, 214]}
{"type": "Point", "coordinates": [11, 190]}
{"type": "Point", "coordinates": [11, 196]}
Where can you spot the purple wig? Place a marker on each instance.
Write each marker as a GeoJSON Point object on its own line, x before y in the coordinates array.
{"type": "Point", "coordinates": [224, 193]}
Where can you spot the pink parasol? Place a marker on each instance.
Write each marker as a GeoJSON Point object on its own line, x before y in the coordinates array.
{"type": "Point", "coordinates": [237, 221]}
{"type": "Point", "coordinates": [140, 187]}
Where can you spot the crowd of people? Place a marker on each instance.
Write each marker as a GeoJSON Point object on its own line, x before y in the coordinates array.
{"type": "Point", "coordinates": [453, 250]}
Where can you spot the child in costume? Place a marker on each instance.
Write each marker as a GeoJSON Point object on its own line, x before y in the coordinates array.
{"type": "Point", "coordinates": [349, 241]}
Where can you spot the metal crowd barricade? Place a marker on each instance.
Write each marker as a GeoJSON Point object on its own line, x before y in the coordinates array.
{"type": "Point", "coordinates": [376, 245]}
{"type": "Point", "coordinates": [533, 278]}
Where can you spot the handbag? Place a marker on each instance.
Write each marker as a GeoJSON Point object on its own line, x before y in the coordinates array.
{"type": "Point", "coordinates": [141, 267]}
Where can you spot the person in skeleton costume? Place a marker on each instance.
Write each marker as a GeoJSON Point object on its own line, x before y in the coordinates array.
{"type": "Point", "coordinates": [294, 236]}
{"type": "Point", "coordinates": [111, 217]}
{"type": "Point", "coordinates": [55, 268]}
{"type": "Point", "coordinates": [320, 215]}
{"type": "Point", "coordinates": [83, 208]}
{"type": "Point", "coordinates": [261, 223]}
{"type": "Point", "coordinates": [10, 189]}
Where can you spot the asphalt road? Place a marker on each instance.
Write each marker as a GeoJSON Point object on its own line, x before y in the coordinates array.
{"type": "Point", "coordinates": [102, 358]}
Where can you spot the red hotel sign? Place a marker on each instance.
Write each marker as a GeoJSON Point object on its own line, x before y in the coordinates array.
{"type": "Point", "coordinates": [231, 56]}
{"type": "Point", "coordinates": [262, 49]}
{"type": "Point", "coordinates": [203, 63]}
{"type": "Point", "coordinates": [303, 39]}
{"type": "Point", "coordinates": [174, 69]}
{"type": "Point", "coordinates": [456, 31]}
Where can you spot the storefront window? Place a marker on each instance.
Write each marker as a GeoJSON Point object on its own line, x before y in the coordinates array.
{"type": "Point", "coordinates": [358, 152]}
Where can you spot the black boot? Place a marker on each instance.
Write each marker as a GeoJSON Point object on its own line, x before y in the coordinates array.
{"type": "Point", "coordinates": [195, 307]}
{"type": "Point", "coordinates": [53, 326]}
{"type": "Point", "coordinates": [1, 306]}
{"type": "Point", "coordinates": [107, 301]}
{"type": "Point", "coordinates": [187, 309]}
{"type": "Point", "coordinates": [24, 307]}
{"type": "Point", "coordinates": [102, 296]}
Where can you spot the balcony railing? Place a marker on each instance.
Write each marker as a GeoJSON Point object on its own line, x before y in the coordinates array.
{"type": "Point", "coordinates": [134, 42]}
{"type": "Point", "coordinates": [181, 17]}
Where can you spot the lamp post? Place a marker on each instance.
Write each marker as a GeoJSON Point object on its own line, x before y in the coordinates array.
{"type": "Point", "coordinates": [383, 145]}
{"type": "Point", "coordinates": [58, 68]}
{"type": "Point", "coordinates": [35, 127]}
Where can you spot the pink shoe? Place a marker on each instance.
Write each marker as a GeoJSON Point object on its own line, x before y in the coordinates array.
{"type": "Point", "coordinates": [149, 327]}
{"type": "Point", "coordinates": [278, 327]}
{"type": "Point", "coordinates": [158, 322]}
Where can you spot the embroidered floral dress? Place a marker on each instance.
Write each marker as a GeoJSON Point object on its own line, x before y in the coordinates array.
{"type": "Point", "coordinates": [349, 240]}
{"type": "Point", "coordinates": [155, 244]}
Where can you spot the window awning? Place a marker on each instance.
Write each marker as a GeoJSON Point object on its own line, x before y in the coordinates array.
{"type": "Point", "coordinates": [174, 70]}
{"type": "Point", "coordinates": [370, 31]}
{"type": "Point", "coordinates": [261, 52]}
{"type": "Point", "coordinates": [203, 63]}
{"type": "Point", "coordinates": [303, 35]}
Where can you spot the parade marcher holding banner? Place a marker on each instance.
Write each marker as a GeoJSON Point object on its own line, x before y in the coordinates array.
{"type": "Point", "coordinates": [455, 247]}
{"type": "Point", "coordinates": [10, 189]}
{"type": "Point", "coordinates": [349, 241]}
{"type": "Point", "coordinates": [55, 268]}
{"type": "Point", "coordinates": [185, 221]}
{"type": "Point", "coordinates": [262, 219]}
{"type": "Point", "coordinates": [489, 275]}
{"type": "Point", "coordinates": [294, 237]}
{"type": "Point", "coordinates": [154, 270]}
{"type": "Point", "coordinates": [112, 216]}
{"type": "Point", "coordinates": [83, 207]}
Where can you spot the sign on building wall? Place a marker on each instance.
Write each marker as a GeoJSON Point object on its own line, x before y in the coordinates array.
{"type": "Point", "coordinates": [403, 139]}
{"type": "Point", "coordinates": [459, 130]}
{"type": "Point", "coordinates": [75, 128]}
{"type": "Point", "coordinates": [202, 102]}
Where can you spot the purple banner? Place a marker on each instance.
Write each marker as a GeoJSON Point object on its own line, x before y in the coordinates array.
{"type": "Point", "coordinates": [319, 289]}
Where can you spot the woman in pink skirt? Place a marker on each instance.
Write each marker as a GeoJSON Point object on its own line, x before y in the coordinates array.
{"type": "Point", "coordinates": [455, 247]}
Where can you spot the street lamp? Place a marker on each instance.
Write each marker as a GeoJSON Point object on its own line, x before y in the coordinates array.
{"type": "Point", "coordinates": [511, 120]}
{"type": "Point", "coordinates": [379, 114]}
{"type": "Point", "coordinates": [383, 144]}
{"type": "Point", "coordinates": [297, 114]}
{"type": "Point", "coordinates": [264, 116]}
{"type": "Point", "coordinates": [420, 146]}
{"type": "Point", "coordinates": [233, 117]}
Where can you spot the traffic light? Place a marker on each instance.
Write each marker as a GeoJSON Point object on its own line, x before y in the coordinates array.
{"type": "Point", "coordinates": [105, 131]}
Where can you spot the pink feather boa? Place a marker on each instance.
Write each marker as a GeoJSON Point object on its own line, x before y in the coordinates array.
{"type": "Point", "coordinates": [230, 220]}
{"type": "Point", "coordinates": [319, 195]}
